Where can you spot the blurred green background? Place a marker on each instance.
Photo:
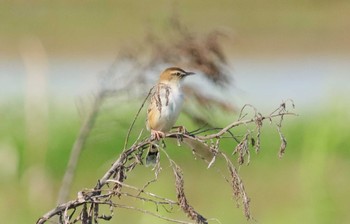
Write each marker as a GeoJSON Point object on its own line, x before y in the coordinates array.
{"type": "Point", "coordinates": [52, 51]}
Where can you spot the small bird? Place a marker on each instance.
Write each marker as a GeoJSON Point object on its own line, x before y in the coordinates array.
{"type": "Point", "coordinates": [165, 106]}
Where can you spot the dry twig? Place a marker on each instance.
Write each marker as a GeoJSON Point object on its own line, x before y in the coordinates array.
{"type": "Point", "coordinates": [202, 53]}
{"type": "Point", "coordinates": [112, 181]}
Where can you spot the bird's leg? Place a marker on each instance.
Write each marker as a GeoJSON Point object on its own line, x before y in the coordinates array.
{"type": "Point", "coordinates": [157, 134]}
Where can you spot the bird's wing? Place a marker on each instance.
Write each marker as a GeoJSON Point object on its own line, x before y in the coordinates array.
{"type": "Point", "coordinates": [159, 99]}
{"type": "Point", "coordinates": [153, 111]}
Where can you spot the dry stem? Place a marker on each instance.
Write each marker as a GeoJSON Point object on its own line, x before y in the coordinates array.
{"type": "Point", "coordinates": [131, 157]}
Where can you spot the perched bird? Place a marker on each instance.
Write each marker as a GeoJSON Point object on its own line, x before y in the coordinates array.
{"type": "Point", "coordinates": [165, 106]}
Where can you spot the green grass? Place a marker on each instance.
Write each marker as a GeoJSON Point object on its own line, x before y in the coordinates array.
{"type": "Point", "coordinates": [308, 185]}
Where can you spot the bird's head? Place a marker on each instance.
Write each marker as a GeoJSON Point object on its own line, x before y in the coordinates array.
{"type": "Point", "coordinates": [173, 75]}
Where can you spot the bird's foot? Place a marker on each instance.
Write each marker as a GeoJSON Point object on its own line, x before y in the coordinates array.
{"type": "Point", "coordinates": [157, 134]}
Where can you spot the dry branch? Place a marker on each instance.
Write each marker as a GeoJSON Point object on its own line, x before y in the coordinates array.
{"type": "Point", "coordinates": [202, 53]}
{"type": "Point", "coordinates": [78, 147]}
{"type": "Point", "coordinates": [183, 203]}
{"type": "Point", "coordinates": [111, 185]}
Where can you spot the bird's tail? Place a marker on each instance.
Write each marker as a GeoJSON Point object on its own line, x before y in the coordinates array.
{"type": "Point", "coordinates": [152, 155]}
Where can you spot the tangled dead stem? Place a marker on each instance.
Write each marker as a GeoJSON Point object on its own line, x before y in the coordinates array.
{"type": "Point", "coordinates": [188, 50]}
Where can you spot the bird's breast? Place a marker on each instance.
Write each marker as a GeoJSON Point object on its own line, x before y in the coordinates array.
{"type": "Point", "coordinates": [171, 101]}
{"type": "Point", "coordinates": [172, 104]}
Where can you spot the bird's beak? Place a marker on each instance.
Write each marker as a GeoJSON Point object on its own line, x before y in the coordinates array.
{"type": "Point", "coordinates": [189, 73]}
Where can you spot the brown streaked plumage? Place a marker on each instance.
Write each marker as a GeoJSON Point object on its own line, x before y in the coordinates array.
{"type": "Point", "coordinates": [166, 102]}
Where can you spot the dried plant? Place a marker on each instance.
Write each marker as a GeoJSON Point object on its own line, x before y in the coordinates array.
{"type": "Point", "coordinates": [181, 198]}
{"type": "Point", "coordinates": [110, 188]}
{"type": "Point", "coordinates": [186, 50]}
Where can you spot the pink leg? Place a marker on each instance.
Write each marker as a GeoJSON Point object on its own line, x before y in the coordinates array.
{"type": "Point", "coordinates": [157, 134]}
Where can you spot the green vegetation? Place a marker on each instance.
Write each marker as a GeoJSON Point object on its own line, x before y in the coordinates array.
{"type": "Point", "coordinates": [308, 185]}
{"type": "Point", "coordinates": [90, 27]}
